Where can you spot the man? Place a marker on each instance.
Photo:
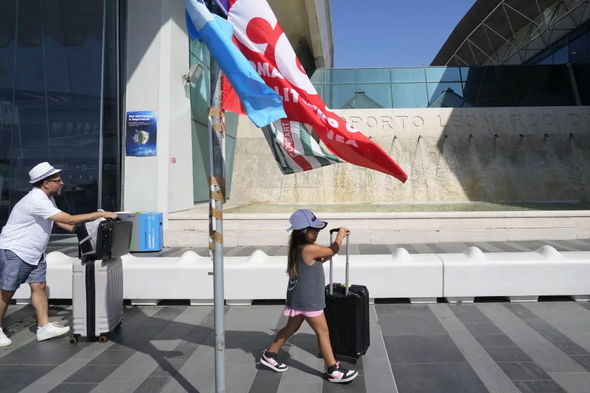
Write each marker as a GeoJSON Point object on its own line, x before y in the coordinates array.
{"type": "Point", "coordinates": [23, 242]}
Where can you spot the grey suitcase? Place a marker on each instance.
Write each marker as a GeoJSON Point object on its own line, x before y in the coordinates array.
{"type": "Point", "coordinates": [97, 298]}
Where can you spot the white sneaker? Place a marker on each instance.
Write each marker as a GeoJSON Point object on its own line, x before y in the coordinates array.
{"type": "Point", "coordinates": [4, 341]}
{"type": "Point", "coordinates": [52, 329]}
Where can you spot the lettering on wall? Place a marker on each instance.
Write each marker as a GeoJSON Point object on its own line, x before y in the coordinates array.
{"type": "Point", "coordinates": [478, 120]}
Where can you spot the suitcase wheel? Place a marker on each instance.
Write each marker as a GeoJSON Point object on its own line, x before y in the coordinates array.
{"type": "Point", "coordinates": [74, 339]}
{"type": "Point", "coordinates": [103, 339]}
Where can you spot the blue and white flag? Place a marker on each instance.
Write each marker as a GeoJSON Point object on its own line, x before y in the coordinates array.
{"type": "Point", "coordinates": [262, 104]}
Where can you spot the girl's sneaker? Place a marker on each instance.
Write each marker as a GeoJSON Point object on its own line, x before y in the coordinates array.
{"type": "Point", "coordinates": [339, 374]}
{"type": "Point", "coordinates": [270, 360]}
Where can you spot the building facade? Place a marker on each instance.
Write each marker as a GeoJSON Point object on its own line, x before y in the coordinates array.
{"type": "Point", "coordinates": [71, 71]}
{"type": "Point", "coordinates": [508, 90]}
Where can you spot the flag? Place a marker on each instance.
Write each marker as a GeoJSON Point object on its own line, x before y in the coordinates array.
{"type": "Point", "coordinates": [262, 40]}
{"type": "Point", "coordinates": [294, 147]}
{"type": "Point", "coordinates": [261, 103]}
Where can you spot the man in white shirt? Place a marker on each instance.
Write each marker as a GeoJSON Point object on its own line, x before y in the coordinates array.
{"type": "Point", "coordinates": [23, 241]}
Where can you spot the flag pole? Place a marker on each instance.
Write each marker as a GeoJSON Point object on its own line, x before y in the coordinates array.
{"type": "Point", "coordinates": [216, 127]}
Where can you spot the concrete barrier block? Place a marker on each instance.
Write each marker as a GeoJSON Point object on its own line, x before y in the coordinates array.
{"type": "Point", "coordinates": [399, 275]}
{"type": "Point", "coordinates": [187, 277]}
{"type": "Point", "coordinates": [518, 274]}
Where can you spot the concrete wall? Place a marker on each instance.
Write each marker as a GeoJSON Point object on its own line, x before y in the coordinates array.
{"type": "Point", "coordinates": [449, 154]}
{"type": "Point", "coordinates": [157, 57]}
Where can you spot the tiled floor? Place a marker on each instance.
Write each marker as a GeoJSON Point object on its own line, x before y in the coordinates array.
{"type": "Point", "coordinates": [480, 347]}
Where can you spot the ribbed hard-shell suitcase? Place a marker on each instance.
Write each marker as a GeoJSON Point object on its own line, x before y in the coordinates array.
{"type": "Point", "coordinates": [97, 280]}
{"type": "Point", "coordinates": [97, 298]}
{"type": "Point", "coordinates": [347, 313]}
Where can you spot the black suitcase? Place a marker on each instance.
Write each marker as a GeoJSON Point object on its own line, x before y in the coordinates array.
{"type": "Point", "coordinates": [111, 239]}
{"type": "Point", "coordinates": [347, 313]}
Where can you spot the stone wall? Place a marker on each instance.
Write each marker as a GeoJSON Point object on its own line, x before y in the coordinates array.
{"type": "Point", "coordinates": [449, 154]}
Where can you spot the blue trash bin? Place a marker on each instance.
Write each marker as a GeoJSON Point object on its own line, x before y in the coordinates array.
{"type": "Point", "coordinates": [147, 234]}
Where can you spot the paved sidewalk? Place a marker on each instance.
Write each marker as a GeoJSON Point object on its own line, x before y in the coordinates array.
{"type": "Point", "coordinates": [482, 347]}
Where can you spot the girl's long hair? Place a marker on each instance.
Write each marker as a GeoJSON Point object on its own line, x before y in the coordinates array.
{"type": "Point", "coordinates": [296, 242]}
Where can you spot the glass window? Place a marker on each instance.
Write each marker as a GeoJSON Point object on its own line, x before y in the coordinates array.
{"type": "Point", "coordinates": [578, 50]}
{"type": "Point", "coordinates": [546, 60]}
{"type": "Point", "coordinates": [196, 51]}
{"type": "Point", "coordinates": [198, 91]}
{"type": "Point", "coordinates": [435, 90]}
{"type": "Point", "coordinates": [561, 56]}
{"type": "Point", "coordinates": [50, 99]}
{"type": "Point", "coordinates": [472, 74]}
{"type": "Point", "coordinates": [341, 94]}
{"type": "Point", "coordinates": [410, 95]}
{"type": "Point", "coordinates": [341, 76]}
{"type": "Point", "coordinates": [372, 75]}
{"type": "Point", "coordinates": [374, 95]}
{"type": "Point", "coordinates": [318, 76]}
{"type": "Point", "coordinates": [443, 74]}
{"type": "Point", "coordinates": [582, 73]}
{"type": "Point", "coordinates": [8, 111]}
{"type": "Point", "coordinates": [407, 74]}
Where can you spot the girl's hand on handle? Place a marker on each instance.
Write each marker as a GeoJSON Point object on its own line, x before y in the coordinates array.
{"type": "Point", "coordinates": [342, 232]}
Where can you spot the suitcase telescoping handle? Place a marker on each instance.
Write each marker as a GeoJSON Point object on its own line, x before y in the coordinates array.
{"type": "Point", "coordinates": [347, 281]}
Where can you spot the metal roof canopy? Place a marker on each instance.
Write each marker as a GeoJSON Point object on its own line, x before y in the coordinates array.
{"type": "Point", "coordinates": [510, 31]}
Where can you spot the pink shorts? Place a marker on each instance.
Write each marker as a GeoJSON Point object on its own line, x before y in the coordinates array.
{"type": "Point", "coordinates": [289, 312]}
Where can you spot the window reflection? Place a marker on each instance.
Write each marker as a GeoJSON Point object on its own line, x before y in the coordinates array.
{"type": "Point", "coordinates": [410, 95]}
{"type": "Point", "coordinates": [51, 82]}
{"type": "Point", "coordinates": [423, 87]}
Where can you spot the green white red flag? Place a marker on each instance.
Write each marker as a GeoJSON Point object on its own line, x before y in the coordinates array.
{"type": "Point", "coordinates": [294, 147]}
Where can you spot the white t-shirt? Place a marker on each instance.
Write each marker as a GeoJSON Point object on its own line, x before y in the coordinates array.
{"type": "Point", "coordinates": [28, 228]}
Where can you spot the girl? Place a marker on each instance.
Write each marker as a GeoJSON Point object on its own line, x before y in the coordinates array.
{"type": "Point", "coordinates": [305, 293]}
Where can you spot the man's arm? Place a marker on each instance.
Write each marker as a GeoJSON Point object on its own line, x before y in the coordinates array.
{"type": "Point", "coordinates": [69, 228]}
{"type": "Point", "coordinates": [71, 220]}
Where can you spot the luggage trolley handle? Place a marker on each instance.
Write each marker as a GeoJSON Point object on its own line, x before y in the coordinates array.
{"type": "Point", "coordinates": [347, 280]}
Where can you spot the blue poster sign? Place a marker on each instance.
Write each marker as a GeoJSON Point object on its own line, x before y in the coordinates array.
{"type": "Point", "coordinates": [142, 133]}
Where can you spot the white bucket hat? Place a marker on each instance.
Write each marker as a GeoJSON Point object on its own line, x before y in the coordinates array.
{"type": "Point", "coordinates": [42, 171]}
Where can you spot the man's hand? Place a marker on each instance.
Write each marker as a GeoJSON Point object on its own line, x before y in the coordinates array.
{"type": "Point", "coordinates": [110, 215]}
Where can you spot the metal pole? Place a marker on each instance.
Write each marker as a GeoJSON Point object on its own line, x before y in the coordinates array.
{"type": "Point", "coordinates": [216, 127]}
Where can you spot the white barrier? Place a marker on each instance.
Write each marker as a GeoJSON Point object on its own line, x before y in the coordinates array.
{"type": "Point", "coordinates": [518, 275]}
{"type": "Point", "coordinates": [419, 277]}
{"type": "Point", "coordinates": [146, 280]}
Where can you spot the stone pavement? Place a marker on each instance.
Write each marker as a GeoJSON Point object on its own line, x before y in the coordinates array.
{"type": "Point", "coordinates": [482, 347]}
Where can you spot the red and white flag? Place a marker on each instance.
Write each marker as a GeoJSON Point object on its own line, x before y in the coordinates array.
{"type": "Point", "coordinates": [261, 39]}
